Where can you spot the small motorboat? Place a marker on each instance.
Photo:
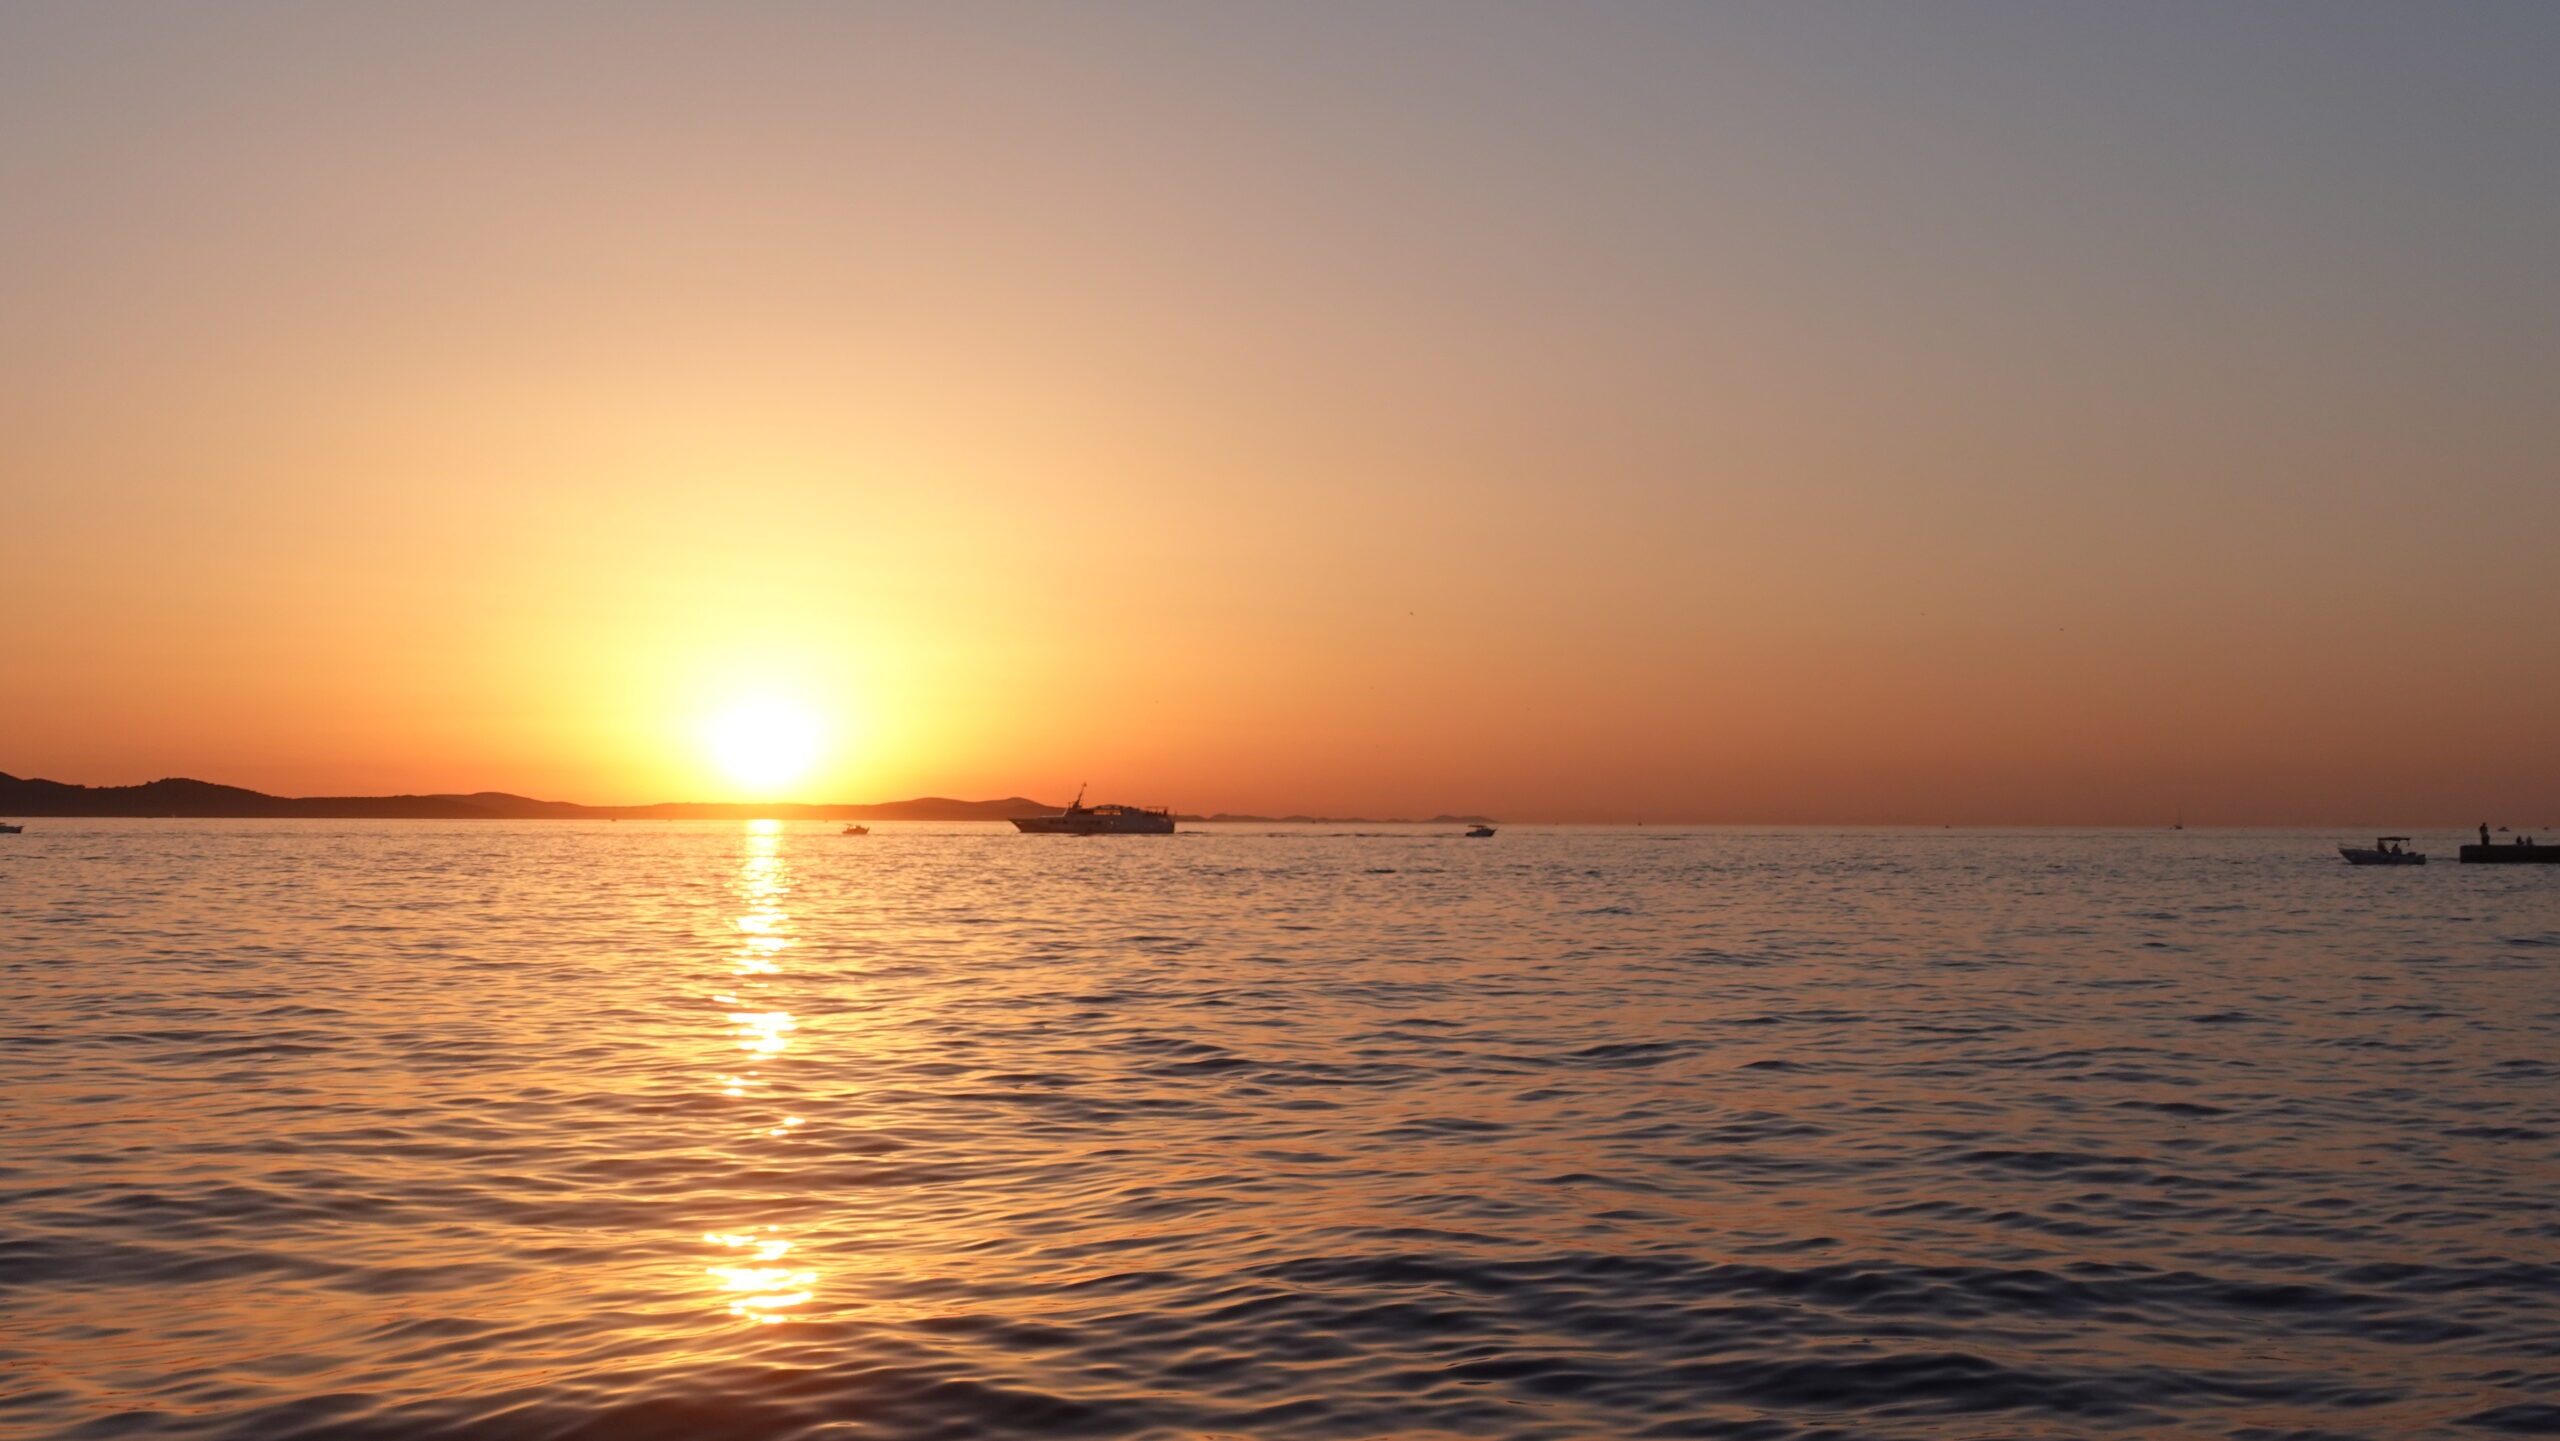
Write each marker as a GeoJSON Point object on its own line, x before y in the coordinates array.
{"type": "Point", "coordinates": [857, 830]}
{"type": "Point", "coordinates": [2385, 851]}
{"type": "Point", "coordinates": [1480, 833]}
{"type": "Point", "coordinates": [9, 830]}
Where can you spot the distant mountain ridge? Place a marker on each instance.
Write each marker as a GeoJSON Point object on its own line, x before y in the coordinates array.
{"type": "Point", "coordinates": [179, 796]}
{"type": "Point", "coordinates": [204, 800]}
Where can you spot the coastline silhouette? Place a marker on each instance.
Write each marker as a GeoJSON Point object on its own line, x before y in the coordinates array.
{"type": "Point", "coordinates": [204, 800]}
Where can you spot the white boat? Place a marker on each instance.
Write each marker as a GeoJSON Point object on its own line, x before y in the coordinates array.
{"type": "Point", "coordinates": [2385, 851]}
{"type": "Point", "coordinates": [857, 830]}
{"type": "Point", "coordinates": [1080, 819]}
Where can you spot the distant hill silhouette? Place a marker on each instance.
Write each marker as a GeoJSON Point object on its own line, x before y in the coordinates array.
{"type": "Point", "coordinates": [177, 796]}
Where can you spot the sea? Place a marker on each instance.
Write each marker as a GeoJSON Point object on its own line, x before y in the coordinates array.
{"type": "Point", "coordinates": [696, 1131]}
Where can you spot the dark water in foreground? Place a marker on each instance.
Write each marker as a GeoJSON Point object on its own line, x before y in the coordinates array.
{"type": "Point", "coordinates": [635, 1131]}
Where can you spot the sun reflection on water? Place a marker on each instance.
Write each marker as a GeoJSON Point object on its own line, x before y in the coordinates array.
{"type": "Point", "coordinates": [766, 1288]}
{"type": "Point", "coordinates": [750, 1285]}
{"type": "Point", "coordinates": [763, 1032]}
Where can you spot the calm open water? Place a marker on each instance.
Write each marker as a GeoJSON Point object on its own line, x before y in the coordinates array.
{"type": "Point", "coordinates": [700, 1132]}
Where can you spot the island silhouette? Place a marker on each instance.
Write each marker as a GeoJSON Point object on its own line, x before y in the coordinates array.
{"type": "Point", "coordinates": [178, 796]}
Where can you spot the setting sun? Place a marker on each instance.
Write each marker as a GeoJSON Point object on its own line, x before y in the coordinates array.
{"type": "Point", "coordinates": [764, 744]}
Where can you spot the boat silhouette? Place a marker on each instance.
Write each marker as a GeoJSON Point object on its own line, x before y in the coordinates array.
{"type": "Point", "coordinates": [2385, 851]}
{"type": "Point", "coordinates": [1080, 819]}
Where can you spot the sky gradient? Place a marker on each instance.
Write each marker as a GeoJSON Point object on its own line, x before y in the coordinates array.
{"type": "Point", "coordinates": [1979, 413]}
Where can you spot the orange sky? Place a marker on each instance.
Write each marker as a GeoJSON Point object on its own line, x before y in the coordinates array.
{"type": "Point", "coordinates": [1758, 413]}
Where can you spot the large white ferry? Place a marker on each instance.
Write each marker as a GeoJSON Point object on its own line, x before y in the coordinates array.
{"type": "Point", "coordinates": [1084, 820]}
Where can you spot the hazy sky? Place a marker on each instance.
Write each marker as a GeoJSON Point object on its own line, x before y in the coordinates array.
{"type": "Point", "coordinates": [1792, 411]}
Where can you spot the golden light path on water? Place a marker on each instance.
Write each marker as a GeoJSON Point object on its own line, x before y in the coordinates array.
{"type": "Point", "coordinates": [753, 1281]}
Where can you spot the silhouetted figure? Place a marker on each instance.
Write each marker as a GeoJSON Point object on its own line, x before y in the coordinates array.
{"type": "Point", "coordinates": [2484, 833]}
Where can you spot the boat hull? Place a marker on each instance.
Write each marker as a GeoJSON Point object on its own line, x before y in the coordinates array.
{"type": "Point", "coordinates": [2365, 856]}
{"type": "Point", "coordinates": [1122, 825]}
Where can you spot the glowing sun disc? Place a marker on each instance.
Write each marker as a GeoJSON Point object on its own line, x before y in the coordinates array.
{"type": "Point", "coordinates": [764, 744]}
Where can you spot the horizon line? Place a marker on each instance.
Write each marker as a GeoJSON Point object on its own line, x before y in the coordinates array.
{"type": "Point", "coordinates": [1002, 808]}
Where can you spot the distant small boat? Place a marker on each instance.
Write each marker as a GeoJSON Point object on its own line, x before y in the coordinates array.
{"type": "Point", "coordinates": [10, 830]}
{"type": "Point", "coordinates": [1480, 833]}
{"type": "Point", "coordinates": [857, 830]}
{"type": "Point", "coordinates": [2385, 851]}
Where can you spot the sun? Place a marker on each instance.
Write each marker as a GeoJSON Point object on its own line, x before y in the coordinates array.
{"type": "Point", "coordinates": [764, 744]}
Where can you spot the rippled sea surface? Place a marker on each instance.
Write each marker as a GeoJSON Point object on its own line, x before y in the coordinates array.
{"type": "Point", "coordinates": [700, 1131]}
